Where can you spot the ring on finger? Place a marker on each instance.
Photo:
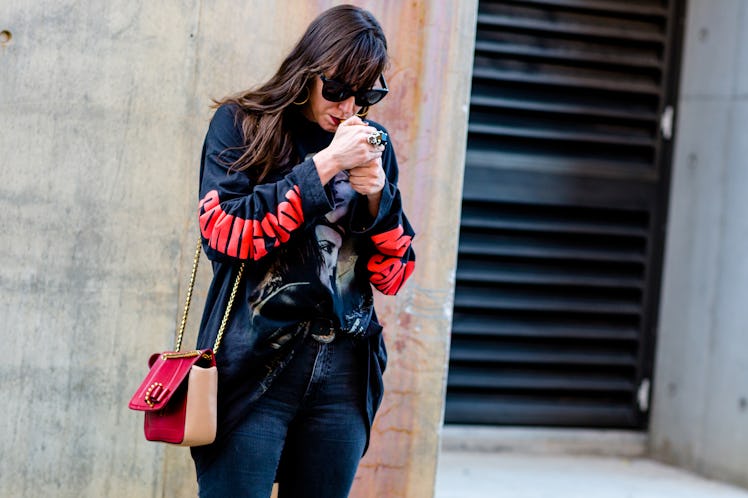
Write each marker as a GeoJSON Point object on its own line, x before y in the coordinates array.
{"type": "Point", "coordinates": [377, 138]}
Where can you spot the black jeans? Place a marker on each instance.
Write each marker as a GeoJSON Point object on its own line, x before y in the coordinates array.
{"type": "Point", "coordinates": [312, 415]}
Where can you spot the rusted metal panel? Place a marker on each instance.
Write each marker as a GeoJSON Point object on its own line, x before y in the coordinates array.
{"type": "Point", "coordinates": [431, 45]}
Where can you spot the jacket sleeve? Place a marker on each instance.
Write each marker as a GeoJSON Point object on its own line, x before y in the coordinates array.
{"type": "Point", "coordinates": [390, 258]}
{"type": "Point", "coordinates": [242, 220]}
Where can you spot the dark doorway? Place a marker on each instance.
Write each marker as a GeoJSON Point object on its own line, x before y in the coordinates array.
{"type": "Point", "coordinates": [563, 214]}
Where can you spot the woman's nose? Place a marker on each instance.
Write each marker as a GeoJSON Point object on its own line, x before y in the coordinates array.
{"type": "Point", "coordinates": [347, 106]}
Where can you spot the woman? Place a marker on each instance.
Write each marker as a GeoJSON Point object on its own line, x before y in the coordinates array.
{"type": "Point", "coordinates": [301, 362]}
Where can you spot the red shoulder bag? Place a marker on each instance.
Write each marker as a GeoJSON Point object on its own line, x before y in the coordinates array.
{"type": "Point", "coordinates": [179, 394]}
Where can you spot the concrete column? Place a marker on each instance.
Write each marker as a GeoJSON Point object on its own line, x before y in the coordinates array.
{"type": "Point", "coordinates": [104, 107]}
{"type": "Point", "coordinates": [432, 52]}
{"type": "Point", "coordinates": [700, 408]}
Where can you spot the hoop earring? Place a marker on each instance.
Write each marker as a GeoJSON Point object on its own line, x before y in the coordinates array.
{"type": "Point", "coordinates": [308, 94]}
{"type": "Point", "coordinates": [363, 112]}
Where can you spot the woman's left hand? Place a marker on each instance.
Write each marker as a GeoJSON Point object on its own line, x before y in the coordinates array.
{"type": "Point", "coordinates": [369, 178]}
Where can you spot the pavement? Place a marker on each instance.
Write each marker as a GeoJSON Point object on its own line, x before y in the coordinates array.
{"type": "Point", "coordinates": [527, 463]}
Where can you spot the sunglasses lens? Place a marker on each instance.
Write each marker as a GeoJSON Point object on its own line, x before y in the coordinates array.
{"type": "Point", "coordinates": [334, 91]}
{"type": "Point", "coordinates": [375, 96]}
{"type": "Point", "coordinates": [369, 98]}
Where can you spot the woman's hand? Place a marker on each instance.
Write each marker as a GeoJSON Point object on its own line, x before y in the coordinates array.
{"type": "Point", "coordinates": [349, 149]}
{"type": "Point", "coordinates": [369, 180]}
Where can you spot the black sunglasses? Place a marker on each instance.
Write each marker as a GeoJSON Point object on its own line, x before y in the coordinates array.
{"type": "Point", "coordinates": [335, 91]}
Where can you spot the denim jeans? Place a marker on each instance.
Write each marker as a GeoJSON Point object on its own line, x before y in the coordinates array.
{"type": "Point", "coordinates": [312, 416]}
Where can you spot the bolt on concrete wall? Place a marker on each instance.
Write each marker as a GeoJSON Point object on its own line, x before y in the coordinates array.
{"type": "Point", "coordinates": [104, 107]}
{"type": "Point", "coordinates": [700, 408]}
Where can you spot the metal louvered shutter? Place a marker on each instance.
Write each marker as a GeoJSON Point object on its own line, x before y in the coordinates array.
{"type": "Point", "coordinates": [564, 203]}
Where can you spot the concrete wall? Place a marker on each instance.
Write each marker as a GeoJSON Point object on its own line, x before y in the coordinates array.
{"type": "Point", "coordinates": [700, 409]}
{"type": "Point", "coordinates": [103, 107]}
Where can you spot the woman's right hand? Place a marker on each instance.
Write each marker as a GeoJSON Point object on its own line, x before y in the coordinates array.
{"type": "Point", "coordinates": [349, 149]}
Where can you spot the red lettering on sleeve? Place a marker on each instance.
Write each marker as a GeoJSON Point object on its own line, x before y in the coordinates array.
{"type": "Point", "coordinates": [209, 206]}
{"type": "Point", "coordinates": [288, 216]}
{"type": "Point", "coordinates": [294, 197]}
{"type": "Point", "coordinates": [272, 226]}
{"type": "Point", "coordinates": [388, 273]}
{"type": "Point", "coordinates": [246, 239]}
{"type": "Point", "coordinates": [258, 242]}
{"type": "Point", "coordinates": [249, 238]}
{"type": "Point", "coordinates": [220, 236]}
{"type": "Point", "coordinates": [236, 237]}
{"type": "Point", "coordinates": [392, 242]}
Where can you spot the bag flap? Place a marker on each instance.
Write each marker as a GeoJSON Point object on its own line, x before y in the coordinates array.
{"type": "Point", "coordinates": [168, 370]}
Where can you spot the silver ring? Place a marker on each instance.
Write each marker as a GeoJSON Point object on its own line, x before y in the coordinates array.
{"type": "Point", "coordinates": [376, 138]}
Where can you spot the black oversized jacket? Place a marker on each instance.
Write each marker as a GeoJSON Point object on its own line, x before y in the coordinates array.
{"type": "Point", "coordinates": [312, 254]}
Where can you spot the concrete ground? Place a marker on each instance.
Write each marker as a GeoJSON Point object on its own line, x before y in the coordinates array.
{"type": "Point", "coordinates": [562, 464]}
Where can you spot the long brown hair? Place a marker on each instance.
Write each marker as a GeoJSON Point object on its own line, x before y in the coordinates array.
{"type": "Point", "coordinates": [346, 43]}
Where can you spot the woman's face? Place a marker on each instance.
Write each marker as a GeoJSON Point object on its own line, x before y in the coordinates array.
{"type": "Point", "coordinates": [341, 189]}
{"type": "Point", "coordinates": [329, 241]}
{"type": "Point", "coordinates": [343, 194]}
{"type": "Point", "coordinates": [326, 114]}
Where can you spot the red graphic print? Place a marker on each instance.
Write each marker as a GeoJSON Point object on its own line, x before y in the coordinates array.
{"type": "Point", "coordinates": [393, 242]}
{"type": "Point", "coordinates": [389, 271]}
{"type": "Point", "coordinates": [248, 238]}
{"type": "Point", "coordinates": [389, 274]}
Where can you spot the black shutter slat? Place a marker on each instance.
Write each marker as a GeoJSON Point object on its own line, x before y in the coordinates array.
{"type": "Point", "coordinates": [543, 272]}
{"type": "Point", "coordinates": [611, 6]}
{"type": "Point", "coordinates": [470, 221]}
{"type": "Point", "coordinates": [560, 135]}
{"type": "Point", "coordinates": [555, 54]}
{"type": "Point", "coordinates": [540, 355]}
{"type": "Point", "coordinates": [562, 212]}
{"type": "Point", "coordinates": [474, 215]}
{"type": "Point", "coordinates": [497, 104]}
{"type": "Point", "coordinates": [537, 246]}
{"type": "Point", "coordinates": [480, 274]}
{"type": "Point", "coordinates": [535, 325]}
{"type": "Point", "coordinates": [495, 297]}
{"type": "Point", "coordinates": [513, 379]}
{"type": "Point", "coordinates": [617, 165]}
{"type": "Point", "coordinates": [522, 383]}
{"type": "Point", "coordinates": [554, 28]}
{"type": "Point", "coordinates": [566, 80]}
{"type": "Point", "coordinates": [481, 409]}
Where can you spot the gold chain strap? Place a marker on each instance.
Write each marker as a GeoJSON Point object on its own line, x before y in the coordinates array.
{"type": "Point", "coordinates": [226, 313]}
{"type": "Point", "coordinates": [228, 309]}
{"type": "Point", "coordinates": [183, 323]}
